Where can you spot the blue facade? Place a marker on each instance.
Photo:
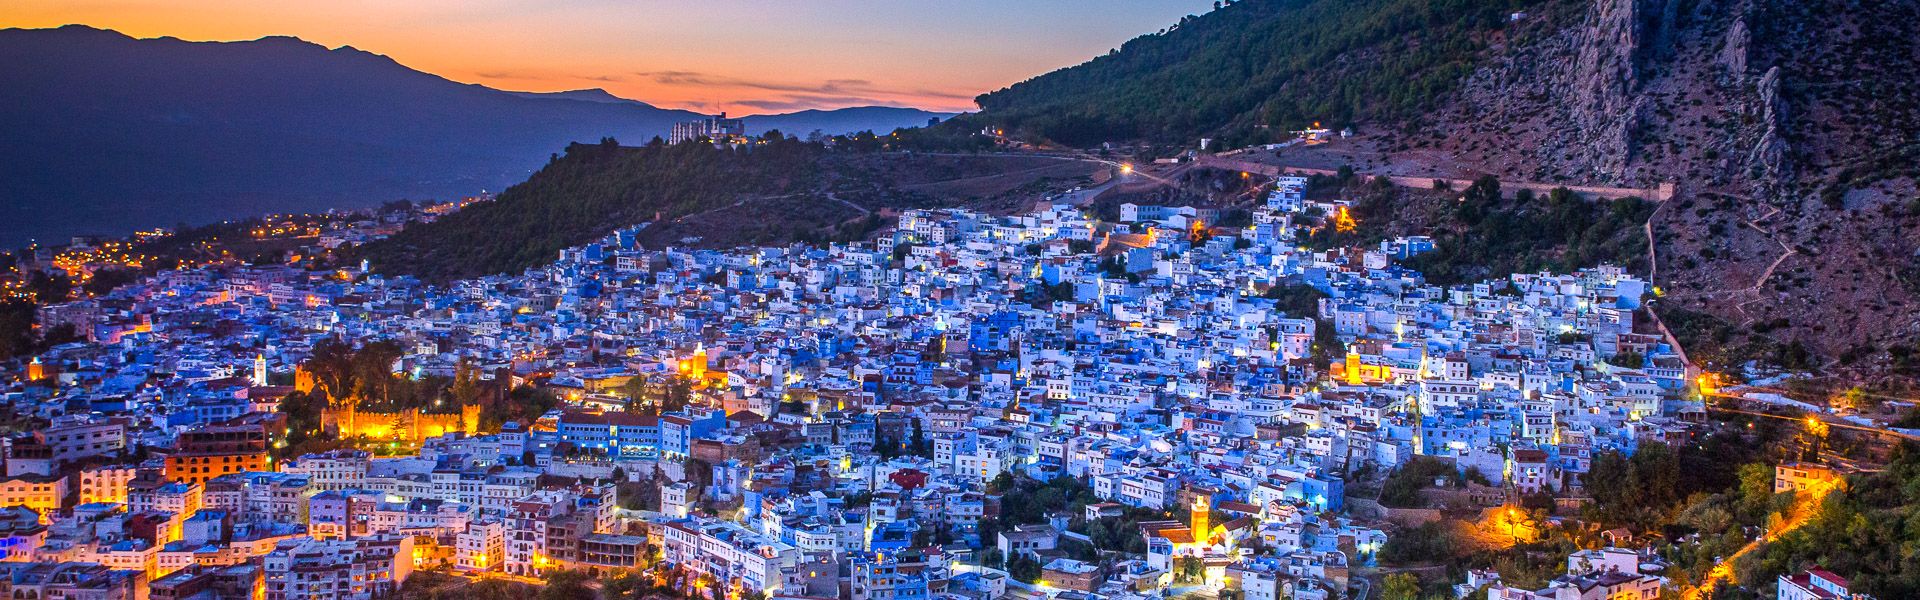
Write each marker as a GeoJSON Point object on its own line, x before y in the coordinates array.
{"type": "Point", "coordinates": [677, 439]}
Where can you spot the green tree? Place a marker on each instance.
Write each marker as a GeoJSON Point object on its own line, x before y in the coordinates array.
{"type": "Point", "coordinates": [567, 585]}
{"type": "Point", "coordinates": [1190, 569]}
{"type": "Point", "coordinates": [1402, 488]}
{"type": "Point", "coordinates": [17, 318]}
{"type": "Point", "coordinates": [466, 384]}
{"type": "Point", "coordinates": [634, 388]}
{"type": "Point", "coordinates": [1400, 586]}
{"type": "Point", "coordinates": [1024, 567]}
{"type": "Point", "coordinates": [1297, 300]}
{"type": "Point", "coordinates": [1634, 490]}
{"type": "Point", "coordinates": [303, 411]}
{"type": "Point", "coordinates": [918, 444]}
{"type": "Point", "coordinates": [1000, 483]}
{"type": "Point", "coordinates": [1629, 359]}
{"type": "Point", "coordinates": [523, 405]}
{"type": "Point", "coordinates": [886, 447]}
{"type": "Point", "coordinates": [1858, 399]}
{"type": "Point", "coordinates": [676, 395]}
{"type": "Point", "coordinates": [49, 288]}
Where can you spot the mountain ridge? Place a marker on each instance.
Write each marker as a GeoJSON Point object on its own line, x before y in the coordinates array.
{"type": "Point", "coordinates": [830, 121]}
{"type": "Point", "coordinates": [109, 133]}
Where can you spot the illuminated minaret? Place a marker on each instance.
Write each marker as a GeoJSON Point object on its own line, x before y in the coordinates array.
{"type": "Point", "coordinates": [260, 370]}
{"type": "Point", "coordinates": [1202, 531]}
{"type": "Point", "coordinates": [1419, 429]}
{"type": "Point", "coordinates": [36, 370]}
{"type": "Point", "coordinates": [699, 360]}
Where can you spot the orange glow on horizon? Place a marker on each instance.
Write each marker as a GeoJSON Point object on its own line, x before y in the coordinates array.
{"type": "Point", "coordinates": [745, 59]}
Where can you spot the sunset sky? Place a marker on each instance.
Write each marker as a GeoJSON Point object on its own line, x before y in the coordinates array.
{"type": "Point", "coordinates": [742, 56]}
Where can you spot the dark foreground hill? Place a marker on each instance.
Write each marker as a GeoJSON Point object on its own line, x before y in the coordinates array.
{"type": "Point", "coordinates": [105, 133]}
{"type": "Point", "coordinates": [697, 195]}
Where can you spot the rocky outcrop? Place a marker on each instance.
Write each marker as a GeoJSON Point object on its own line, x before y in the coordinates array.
{"type": "Point", "coordinates": [1768, 159]}
{"type": "Point", "coordinates": [1734, 52]}
{"type": "Point", "coordinates": [1604, 78]}
{"type": "Point", "coordinates": [1788, 124]}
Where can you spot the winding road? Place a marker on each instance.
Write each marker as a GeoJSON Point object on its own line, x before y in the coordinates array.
{"type": "Point", "coordinates": [1804, 506]}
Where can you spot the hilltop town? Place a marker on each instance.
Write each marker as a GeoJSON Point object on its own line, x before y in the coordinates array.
{"type": "Point", "coordinates": [1276, 300]}
{"type": "Point", "coordinates": [965, 406]}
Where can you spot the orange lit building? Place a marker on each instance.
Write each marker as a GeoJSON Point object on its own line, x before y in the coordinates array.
{"type": "Point", "coordinates": [1192, 539]}
{"type": "Point", "coordinates": [108, 483]}
{"type": "Point", "coordinates": [411, 426]}
{"type": "Point", "coordinates": [235, 446]}
{"type": "Point", "coordinates": [40, 493]}
{"type": "Point", "coordinates": [1797, 477]}
{"type": "Point", "coordinates": [1355, 370]}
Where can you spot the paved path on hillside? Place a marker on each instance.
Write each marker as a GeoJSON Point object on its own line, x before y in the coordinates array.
{"type": "Point", "coordinates": [1753, 292]}
{"type": "Point", "coordinates": [1657, 194]}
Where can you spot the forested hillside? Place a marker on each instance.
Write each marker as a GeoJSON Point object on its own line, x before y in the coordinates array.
{"type": "Point", "coordinates": [587, 193]}
{"type": "Point", "coordinates": [1480, 235]}
{"type": "Point", "coordinates": [1256, 68]}
{"type": "Point", "coordinates": [779, 191]}
{"type": "Point", "coordinates": [1868, 532]}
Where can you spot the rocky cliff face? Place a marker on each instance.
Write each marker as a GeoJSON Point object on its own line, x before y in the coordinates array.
{"type": "Point", "coordinates": [1604, 80]}
{"type": "Point", "coordinates": [1791, 127]}
{"type": "Point", "coordinates": [1590, 91]}
{"type": "Point", "coordinates": [1768, 161]}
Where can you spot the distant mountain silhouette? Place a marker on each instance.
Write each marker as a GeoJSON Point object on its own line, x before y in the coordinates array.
{"type": "Point", "coordinates": [106, 133]}
{"type": "Point", "coordinates": [878, 119]}
{"type": "Point", "coordinates": [586, 95]}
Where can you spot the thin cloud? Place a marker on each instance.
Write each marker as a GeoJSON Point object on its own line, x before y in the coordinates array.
{"type": "Point", "coordinates": [806, 101]}
{"type": "Point", "coordinates": [515, 75]}
{"type": "Point", "coordinates": [529, 75]}
{"type": "Point", "coordinates": [774, 104]}
{"type": "Point", "coordinates": [772, 95]}
{"type": "Point", "coordinates": [830, 87]}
